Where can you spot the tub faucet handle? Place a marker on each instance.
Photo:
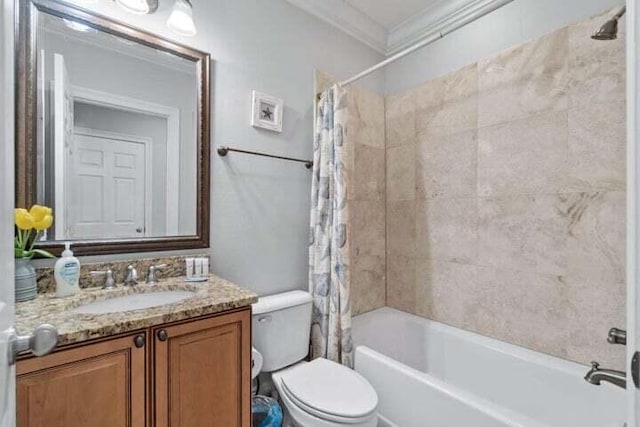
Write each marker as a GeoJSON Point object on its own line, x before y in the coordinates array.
{"type": "Point", "coordinates": [595, 365]}
{"type": "Point", "coordinates": [617, 336]}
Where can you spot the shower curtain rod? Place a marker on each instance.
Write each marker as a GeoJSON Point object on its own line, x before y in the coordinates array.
{"type": "Point", "coordinates": [469, 17]}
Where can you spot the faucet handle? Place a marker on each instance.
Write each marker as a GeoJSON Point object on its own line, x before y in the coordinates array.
{"type": "Point", "coordinates": [152, 276]}
{"type": "Point", "coordinates": [132, 276]}
{"type": "Point", "coordinates": [595, 365]}
{"type": "Point", "coordinates": [109, 282]}
{"type": "Point", "coordinates": [617, 336]}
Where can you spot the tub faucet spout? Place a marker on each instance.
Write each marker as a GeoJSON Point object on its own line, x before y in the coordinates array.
{"type": "Point", "coordinates": [596, 375]}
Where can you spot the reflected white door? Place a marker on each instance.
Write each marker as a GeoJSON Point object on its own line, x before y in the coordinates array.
{"type": "Point", "coordinates": [62, 134]}
{"type": "Point", "coordinates": [106, 187]}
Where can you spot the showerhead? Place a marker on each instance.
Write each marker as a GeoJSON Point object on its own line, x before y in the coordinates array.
{"type": "Point", "coordinates": [609, 31]}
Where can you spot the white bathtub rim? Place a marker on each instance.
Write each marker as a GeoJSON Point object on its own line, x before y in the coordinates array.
{"type": "Point", "coordinates": [500, 413]}
{"type": "Point", "coordinates": [502, 347]}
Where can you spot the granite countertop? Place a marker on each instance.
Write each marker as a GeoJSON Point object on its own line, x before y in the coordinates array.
{"type": "Point", "coordinates": [214, 296]}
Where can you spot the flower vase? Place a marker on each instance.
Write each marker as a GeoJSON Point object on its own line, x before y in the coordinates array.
{"type": "Point", "coordinates": [25, 280]}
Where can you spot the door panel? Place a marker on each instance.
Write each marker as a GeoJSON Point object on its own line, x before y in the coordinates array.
{"type": "Point", "coordinates": [107, 182]}
{"type": "Point", "coordinates": [98, 385]}
{"type": "Point", "coordinates": [202, 373]}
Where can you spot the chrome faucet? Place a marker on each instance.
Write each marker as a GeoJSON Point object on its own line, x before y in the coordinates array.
{"type": "Point", "coordinates": [152, 276]}
{"type": "Point", "coordinates": [596, 375]}
{"type": "Point", "coordinates": [132, 276]}
{"type": "Point", "coordinates": [109, 282]}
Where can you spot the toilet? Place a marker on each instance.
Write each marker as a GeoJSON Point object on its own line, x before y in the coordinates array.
{"type": "Point", "coordinates": [320, 393]}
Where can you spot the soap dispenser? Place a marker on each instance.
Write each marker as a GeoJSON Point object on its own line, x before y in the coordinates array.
{"type": "Point", "coordinates": [67, 273]}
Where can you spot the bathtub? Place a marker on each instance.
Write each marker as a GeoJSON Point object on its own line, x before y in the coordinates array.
{"type": "Point", "coordinates": [428, 374]}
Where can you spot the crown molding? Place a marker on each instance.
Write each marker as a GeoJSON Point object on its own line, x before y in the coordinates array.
{"type": "Point", "coordinates": [348, 19]}
{"type": "Point", "coordinates": [436, 17]}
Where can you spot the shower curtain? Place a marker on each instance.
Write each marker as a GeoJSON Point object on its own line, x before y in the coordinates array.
{"type": "Point", "coordinates": [328, 247]}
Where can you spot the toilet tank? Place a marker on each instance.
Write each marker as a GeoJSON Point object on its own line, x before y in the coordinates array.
{"type": "Point", "coordinates": [281, 328]}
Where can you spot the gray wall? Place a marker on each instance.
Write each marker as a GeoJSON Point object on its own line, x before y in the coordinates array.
{"type": "Point", "coordinates": [259, 210]}
{"type": "Point", "coordinates": [513, 24]}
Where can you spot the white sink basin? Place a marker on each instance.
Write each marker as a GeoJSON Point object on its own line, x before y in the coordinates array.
{"type": "Point", "coordinates": [134, 302]}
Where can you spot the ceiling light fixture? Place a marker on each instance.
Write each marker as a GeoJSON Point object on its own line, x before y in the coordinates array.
{"type": "Point", "coordinates": [139, 7]}
{"type": "Point", "coordinates": [181, 19]}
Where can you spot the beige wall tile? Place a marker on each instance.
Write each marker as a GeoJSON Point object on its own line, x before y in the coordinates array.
{"type": "Point", "coordinates": [368, 106]}
{"type": "Point", "coordinates": [362, 133]}
{"type": "Point", "coordinates": [525, 233]}
{"type": "Point", "coordinates": [524, 156]}
{"type": "Point", "coordinates": [596, 69]}
{"type": "Point", "coordinates": [516, 196]}
{"type": "Point", "coordinates": [368, 283]}
{"type": "Point", "coordinates": [401, 228]}
{"type": "Point", "coordinates": [369, 177]}
{"type": "Point", "coordinates": [451, 88]}
{"type": "Point", "coordinates": [528, 314]}
{"type": "Point", "coordinates": [446, 166]}
{"type": "Point", "coordinates": [597, 147]}
{"type": "Point", "coordinates": [597, 236]}
{"type": "Point", "coordinates": [367, 228]}
{"type": "Point", "coordinates": [525, 80]}
{"type": "Point", "coordinates": [593, 307]}
{"type": "Point", "coordinates": [474, 298]}
{"type": "Point", "coordinates": [447, 105]}
{"type": "Point", "coordinates": [366, 117]}
{"type": "Point", "coordinates": [447, 230]}
{"type": "Point", "coordinates": [401, 173]}
{"type": "Point", "coordinates": [366, 134]}
{"type": "Point", "coordinates": [401, 275]}
{"type": "Point", "coordinates": [443, 290]}
{"type": "Point", "coordinates": [400, 119]}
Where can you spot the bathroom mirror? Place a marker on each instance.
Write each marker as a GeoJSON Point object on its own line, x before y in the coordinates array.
{"type": "Point", "coordinates": [112, 132]}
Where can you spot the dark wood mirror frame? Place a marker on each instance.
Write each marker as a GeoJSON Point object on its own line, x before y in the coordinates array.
{"type": "Point", "coordinates": [26, 124]}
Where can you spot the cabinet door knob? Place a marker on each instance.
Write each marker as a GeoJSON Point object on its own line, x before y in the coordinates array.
{"type": "Point", "coordinates": [139, 341]}
{"type": "Point", "coordinates": [162, 335]}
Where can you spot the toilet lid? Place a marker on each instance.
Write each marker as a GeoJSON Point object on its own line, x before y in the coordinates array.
{"type": "Point", "coordinates": [327, 388]}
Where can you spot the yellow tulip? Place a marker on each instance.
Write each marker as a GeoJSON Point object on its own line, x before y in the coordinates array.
{"type": "Point", "coordinates": [39, 212]}
{"type": "Point", "coordinates": [23, 219]}
{"type": "Point", "coordinates": [44, 223]}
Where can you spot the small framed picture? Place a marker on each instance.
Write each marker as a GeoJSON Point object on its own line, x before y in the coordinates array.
{"type": "Point", "coordinates": [267, 112]}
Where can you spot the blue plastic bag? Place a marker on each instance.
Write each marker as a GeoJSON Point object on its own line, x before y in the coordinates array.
{"type": "Point", "coordinates": [266, 412]}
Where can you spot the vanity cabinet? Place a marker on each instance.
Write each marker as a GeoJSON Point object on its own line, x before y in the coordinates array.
{"type": "Point", "coordinates": [98, 385]}
{"type": "Point", "coordinates": [192, 373]}
{"type": "Point", "coordinates": [202, 372]}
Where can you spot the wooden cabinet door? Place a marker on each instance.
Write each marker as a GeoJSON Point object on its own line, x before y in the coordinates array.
{"type": "Point", "coordinates": [97, 385]}
{"type": "Point", "coordinates": [202, 372]}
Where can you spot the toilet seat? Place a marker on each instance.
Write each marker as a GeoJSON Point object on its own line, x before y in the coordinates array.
{"type": "Point", "coordinates": [330, 391]}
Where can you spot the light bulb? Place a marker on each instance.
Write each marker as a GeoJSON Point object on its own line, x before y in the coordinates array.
{"type": "Point", "coordinates": [181, 19]}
